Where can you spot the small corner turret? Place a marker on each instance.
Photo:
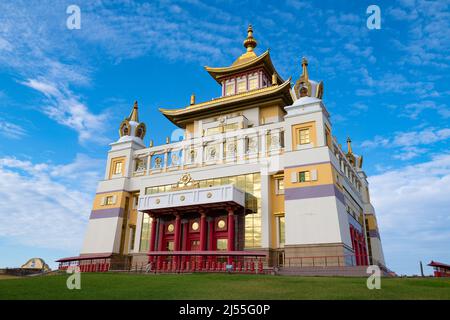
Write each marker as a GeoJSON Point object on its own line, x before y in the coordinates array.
{"type": "Point", "coordinates": [304, 87]}
{"type": "Point", "coordinates": [131, 129]}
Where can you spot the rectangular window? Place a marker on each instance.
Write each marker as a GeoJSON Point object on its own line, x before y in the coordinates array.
{"type": "Point", "coordinates": [169, 246]}
{"type": "Point", "coordinates": [281, 232]}
{"type": "Point", "coordinates": [109, 200]}
{"type": "Point", "coordinates": [132, 237]}
{"type": "Point", "coordinates": [229, 88]}
{"type": "Point", "coordinates": [304, 176]}
{"type": "Point", "coordinates": [304, 136]}
{"type": "Point", "coordinates": [222, 244]}
{"type": "Point", "coordinates": [253, 83]}
{"type": "Point", "coordinates": [279, 186]}
{"type": "Point", "coordinates": [242, 85]}
{"type": "Point", "coordinates": [118, 168]}
{"type": "Point", "coordinates": [135, 201]}
{"type": "Point", "coordinates": [195, 245]}
{"type": "Point", "coordinates": [145, 233]}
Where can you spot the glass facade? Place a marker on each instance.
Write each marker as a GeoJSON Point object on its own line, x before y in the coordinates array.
{"type": "Point", "coordinates": [250, 183]}
{"type": "Point", "coordinates": [222, 244]}
{"type": "Point", "coordinates": [145, 233]}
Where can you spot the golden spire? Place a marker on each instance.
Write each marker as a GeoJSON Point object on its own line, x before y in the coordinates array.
{"type": "Point", "coordinates": [192, 98]}
{"type": "Point", "coordinates": [250, 43]}
{"type": "Point", "coordinates": [134, 113]}
{"type": "Point", "coordinates": [349, 146]}
{"type": "Point", "coordinates": [305, 75]}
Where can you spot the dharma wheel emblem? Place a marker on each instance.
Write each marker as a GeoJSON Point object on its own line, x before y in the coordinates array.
{"type": "Point", "coordinates": [182, 198]}
{"type": "Point", "coordinates": [209, 195]}
{"type": "Point", "coordinates": [170, 228]}
{"type": "Point", "coordinates": [185, 179]}
{"type": "Point", "coordinates": [221, 224]}
{"type": "Point", "coordinates": [157, 201]}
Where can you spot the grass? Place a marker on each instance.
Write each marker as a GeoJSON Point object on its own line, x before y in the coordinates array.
{"type": "Point", "coordinates": [220, 286]}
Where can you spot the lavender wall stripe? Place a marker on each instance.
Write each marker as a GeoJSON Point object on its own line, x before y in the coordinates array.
{"type": "Point", "coordinates": [374, 234]}
{"type": "Point", "coordinates": [326, 190]}
{"type": "Point", "coordinates": [106, 213]}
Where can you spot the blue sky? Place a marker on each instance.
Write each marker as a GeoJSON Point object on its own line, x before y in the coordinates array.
{"type": "Point", "coordinates": [64, 92]}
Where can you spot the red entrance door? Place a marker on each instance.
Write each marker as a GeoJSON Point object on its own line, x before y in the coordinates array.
{"type": "Point", "coordinates": [194, 245]}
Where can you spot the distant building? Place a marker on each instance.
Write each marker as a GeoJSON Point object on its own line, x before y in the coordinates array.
{"type": "Point", "coordinates": [440, 269]}
{"type": "Point", "coordinates": [36, 263]}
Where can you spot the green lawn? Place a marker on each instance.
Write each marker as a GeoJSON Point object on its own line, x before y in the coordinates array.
{"type": "Point", "coordinates": [220, 286]}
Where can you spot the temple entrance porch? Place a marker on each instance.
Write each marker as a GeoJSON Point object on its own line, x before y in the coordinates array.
{"type": "Point", "coordinates": [197, 229]}
{"type": "Point", "coordinates": [195, 221]}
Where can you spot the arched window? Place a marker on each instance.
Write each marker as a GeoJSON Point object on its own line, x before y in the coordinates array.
{"type": "Point", "coordinates": [140, 131]}
{"type": "Point", "coordinates": [124, 128]}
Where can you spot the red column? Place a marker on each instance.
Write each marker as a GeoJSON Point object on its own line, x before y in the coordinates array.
{"type": "Point", "coordinates": [184, 243]}
{"type": "Point", "coordinates": [210, 239]}
{"type": "Point", "coordinates": [230, 229]}
{"type": "Point", "coordinates": [160, 241]}
{"type": "Point", "coordinates": [161, 235]}
{"type": "Point", "coordinates": [202, 235]}
{"type": "Point", "coordinates": [185, 235]}
{"type": "Point", "coordinates": [211, 234]}
{"type": "Point", "coordinates": [230, 233]}
{"type": "Point", "coordinates": [202, 230]}
{"type": "Point", "coordinates": [152, 237]}
{"type": "Point", "coordinates": [176, 238]}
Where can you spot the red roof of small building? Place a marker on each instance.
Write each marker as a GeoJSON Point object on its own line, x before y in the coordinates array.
{"type": "Point", "coordinates": [439, 264]}
{"type": "Point", "coordinates": [86, 257]}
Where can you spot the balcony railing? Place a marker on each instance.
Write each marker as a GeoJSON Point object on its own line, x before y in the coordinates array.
{"type": "Point", "coordinates": [243, 145]}
{"type": "Point", "coordinates": [192, 197]}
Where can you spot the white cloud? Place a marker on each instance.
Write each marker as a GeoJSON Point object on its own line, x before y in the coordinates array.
{"type": "Point", "coordinates": [378, 141]}
{"type": "Point", "coordinates": [11, 130]}
{"type": "Point", "coordinates": [426, 136]}
{"type": "Point", "coordinates": [408, 143]}
{"type": "Point", "coordinates": [413, 110]}
{"type": "Point", "coordinates": [413, 206]}
{"type": "Point", "coordinates": [66, 108]}
{"type": "Point", "coordinates": [408, 153]}
{"type": "Point", "coordinates": [45, 205]}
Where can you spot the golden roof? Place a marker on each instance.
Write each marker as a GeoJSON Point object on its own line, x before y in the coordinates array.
{"type": "Point", "coordinates": [250, 44]}
{"type": "Point", "coordinates": [228, 103]}
{"type": "Point", "coordinates": [248, 60]}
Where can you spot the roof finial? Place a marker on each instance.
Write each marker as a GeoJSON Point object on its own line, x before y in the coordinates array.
{"type": "Point", "coordinates": [192, 99]}
{"type": "Point", "coordinates": [305, 75]}
{"type": "Point", "coordinates": [250, 43]}
{"type": "Point", "coordinates": [349, 146]}
{"type": "Point", "coordinates": [134, 113]}
{"type": "Point", "coordinates": [274, 79]}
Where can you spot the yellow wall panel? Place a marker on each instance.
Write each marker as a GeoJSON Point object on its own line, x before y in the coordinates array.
{"type": "Point", "coordinates": [120, 200]}
{"type": "Point", "coordinates": [325, 175]}
{"type": "Point", "coordinates": [114, 161]}
{"type": "Point", "coordinates": [269, 112]}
